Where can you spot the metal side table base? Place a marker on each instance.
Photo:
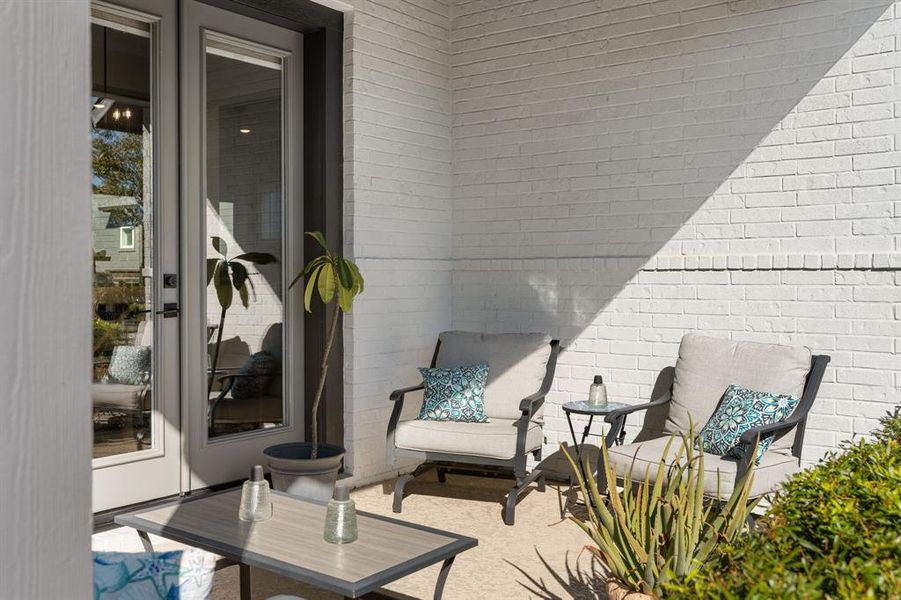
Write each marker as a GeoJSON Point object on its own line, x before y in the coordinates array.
{"type": "Point", "coordinates": [580, 407]}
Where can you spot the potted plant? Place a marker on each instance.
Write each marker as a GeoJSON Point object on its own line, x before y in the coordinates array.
{"type": "Point", "coordinates": [310, 469]}
{"type": "Point", "coordinates": [651, 533]}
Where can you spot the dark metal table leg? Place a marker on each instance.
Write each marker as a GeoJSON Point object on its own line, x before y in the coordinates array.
{"type": "Point", "coordinates": [145, 541]}
{"type": "Point", "coordinates": [579, 445]}
{"type": "Point", "coordinates": [244, 581]}
{"type": "Point", "coordinates": [442, 577]}
{"type": "Point", "coordinates": [585, 432]}
{"type": "Point", "coordinates": [622, 432]}
{"type": "Point", "coordinates": [572, 431]}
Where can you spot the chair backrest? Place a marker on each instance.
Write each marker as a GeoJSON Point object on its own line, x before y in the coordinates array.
{"type": "Point", "coordinates": [708, 365]}
{"type": "Point", "coordinates": [517, 364]}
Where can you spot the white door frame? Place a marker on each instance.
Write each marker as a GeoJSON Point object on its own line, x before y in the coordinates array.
{"type": "Point", "coordinates": [228, 458]}
{"type": "Point", "coordinates": [155, 472]}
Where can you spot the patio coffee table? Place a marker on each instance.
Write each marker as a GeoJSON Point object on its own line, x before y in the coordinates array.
{"type": "Point", "coordinates": [291, 542]}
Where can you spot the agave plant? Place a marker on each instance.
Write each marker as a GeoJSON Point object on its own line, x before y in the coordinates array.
{"type": "Point", "coordinates": [655, 532]}
{"type": "Point", "coordinates": [229, 275]}
{"type": "Point", "coordinates": [337, 279]}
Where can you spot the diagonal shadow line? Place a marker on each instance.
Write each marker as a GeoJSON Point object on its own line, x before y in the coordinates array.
{"type": "Point", "coordinates": [575, 581]}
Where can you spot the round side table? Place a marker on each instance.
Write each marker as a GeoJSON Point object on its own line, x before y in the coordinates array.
{"type": "Point", "coordinates": [581, 407]}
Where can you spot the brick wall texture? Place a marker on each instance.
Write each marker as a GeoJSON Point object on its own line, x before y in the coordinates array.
{"type": "Point", "coordinates": [620, 173]}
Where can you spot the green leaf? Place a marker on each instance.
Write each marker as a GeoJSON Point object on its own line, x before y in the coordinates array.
{"type": "Point", "coordinates": [211, 268]}
{"type": "Point", "coordinates": [345, 275]}
{"type": "Point", "coordinates": [358, 278]}
{"type": "Point", "coordinates": [320, 239]}
{"type": "Point", "coordinates": [243, 295]}
{"type": "Point", "coordinates": [308, 269]}
{"type": "Point", "coordinates": [220, 245]}
{"type": "Point", "coordinates": [345, 298]}
{"type": "Point", "coordinates": [223, 285]}
{"type": "Point", "coordinates": [308, 291]}
{"type": "Point", "coordinates": [327, 283]}
{"type": "Point", "coordinates": [257, 258]}
{"type": "Point", "coordinates": [239, 274]}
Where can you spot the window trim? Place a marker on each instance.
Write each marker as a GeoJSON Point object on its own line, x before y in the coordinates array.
{"type": "Point", "coordinates": [122, 244]}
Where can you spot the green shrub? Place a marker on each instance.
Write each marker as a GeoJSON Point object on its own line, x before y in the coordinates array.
{"type": "Point", "coordinates": [833, 532]}
{"type": "Point", "coordinates": [107, 335]}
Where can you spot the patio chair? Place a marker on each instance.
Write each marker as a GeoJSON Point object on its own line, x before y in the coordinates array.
{"type": "Point", "coordinates": [687, 396]}
{"type": "Point", "coordinates": [131, 397]}
{"type": "Point", "coordinates": [520, 373]}
{"type": "Point", "coordinates": [250, 395]}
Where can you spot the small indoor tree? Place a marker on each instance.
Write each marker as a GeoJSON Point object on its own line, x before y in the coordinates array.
{"type": "Point", "coordinates": [229, 275]}
{"type": "Point", "coordinates": [338, 280]}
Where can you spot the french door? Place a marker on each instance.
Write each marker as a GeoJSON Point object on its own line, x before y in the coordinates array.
{"type": "Point", "coordinates": [242, 215]}
{"type": "Point", "coordinates": [195, 116]}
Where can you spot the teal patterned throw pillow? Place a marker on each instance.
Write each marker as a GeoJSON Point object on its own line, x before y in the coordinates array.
{"type": "Point", "coordinates": [130, 364]}
{"type": "Point", "coordinates": [740, 410]}
{"type": "Point", "coordinates": [456, 394]}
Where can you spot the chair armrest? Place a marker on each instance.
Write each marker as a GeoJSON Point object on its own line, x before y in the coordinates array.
{"type": "Point", "coordinates": [617, 418]}
{"type": "Point", "coordinates": [223, 378]}
{"type": "Point", "coordinates": [750, 437]}
{"type": "Point", "coordinates": [619, 413]}
{"type": "Point", "coordinates": [399, 394]}
{"type": "Point", "coordinates": [530, 404]}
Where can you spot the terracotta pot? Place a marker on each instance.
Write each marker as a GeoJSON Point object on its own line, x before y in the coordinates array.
{"type": "Point", "coordinates": [617, 591]}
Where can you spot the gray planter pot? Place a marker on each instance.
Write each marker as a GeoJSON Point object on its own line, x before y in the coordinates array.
{"type": "Point", "coordinates": [294, 472]}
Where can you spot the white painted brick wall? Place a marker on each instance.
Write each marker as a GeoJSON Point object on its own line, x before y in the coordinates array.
{"type": "Point", "coordinates": [397, 208]}
{"type": "Point", "coordinates": [618, 174]}
{"type": "Point", "coordinates": [626, 172]}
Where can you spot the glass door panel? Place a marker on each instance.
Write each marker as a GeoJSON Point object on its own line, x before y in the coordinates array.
{"type": "Point", "coordinates": [135, 372]}
{"type": "Point", "coordinates": [244, 224]}
{"type": "Point", "coordinates": [122, 211]}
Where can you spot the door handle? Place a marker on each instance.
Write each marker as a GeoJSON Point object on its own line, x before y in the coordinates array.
{"type": "Point", "coordinates": [170, 309]}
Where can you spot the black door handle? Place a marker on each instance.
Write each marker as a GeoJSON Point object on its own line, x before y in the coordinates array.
{"type": "Point", "coordinates": [170, 309]}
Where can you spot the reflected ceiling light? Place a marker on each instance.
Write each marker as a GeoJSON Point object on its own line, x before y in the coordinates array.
{"type": "Point", "coordinates": [116, 114]}
{"type": "Point", "coordinates": [127, 113]}
{"type": "Point", "coordinates": [99, 104]}
{"type": "Point", "coordinates": [244, 130]}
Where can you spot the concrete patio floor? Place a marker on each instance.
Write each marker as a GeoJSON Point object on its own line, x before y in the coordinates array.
{"type": "Point", "coordinates": [541, 556]}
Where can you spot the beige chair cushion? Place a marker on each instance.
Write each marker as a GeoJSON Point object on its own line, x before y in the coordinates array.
{"type": "Point", "coordinates": [261, 409]}
{"type": "Point", "coordinates": [517, 363]}
{"type": "Point", "coordinates": [774, 468]}
{"type": "Point", "coordinates": [495, 439]}
{"type": "Point", "coordinates": [112, 396]}
{"type": "Point", "coordinates": [707, 366]}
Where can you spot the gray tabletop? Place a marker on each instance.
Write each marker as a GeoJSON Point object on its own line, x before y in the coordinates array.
{"type": "Point", "coordinates": [581, 407]}
{"type": "Point", "coordinates": [291, 542]}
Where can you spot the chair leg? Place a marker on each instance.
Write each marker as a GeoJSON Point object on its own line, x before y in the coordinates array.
{"type": "Point", "coordinates": [518, 489]}
{"type": "Point", "coordinates": [510, 508]}
{"type": "Point", "coordinates": [403, 480]}
{"type": "Point", "coordinates": [442, 475]}
{"type": "Point", "coordinates": [399, 490]}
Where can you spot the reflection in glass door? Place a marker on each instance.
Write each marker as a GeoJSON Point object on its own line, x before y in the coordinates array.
{"type": "Point", "coordinates": [135, 370]}
{"type": "Point", "coordinates": [244, 180]}
{"type": "Point", "coordinates": [242, 329]}
{"type": "Point", "coordinates": [122, 211]}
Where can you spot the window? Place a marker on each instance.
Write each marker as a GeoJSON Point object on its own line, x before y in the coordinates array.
{"type": "Point", "coordinates": [126, 238]}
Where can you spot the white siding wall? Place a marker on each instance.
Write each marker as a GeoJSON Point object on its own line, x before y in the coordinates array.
{"type": "Point", "coordinates": [45, 434]}
{"type": "Point", "coordinates": [397, 207]}
{"type": "Point", "coordinates": [625, 172]}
